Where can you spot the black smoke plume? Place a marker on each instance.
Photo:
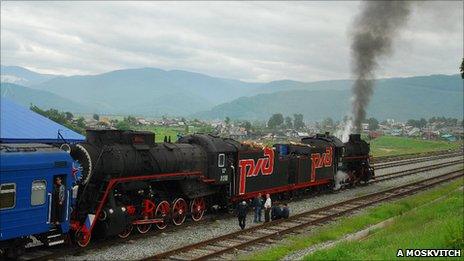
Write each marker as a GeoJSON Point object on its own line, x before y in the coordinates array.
{"type": "Point", "coordinates": [373, 32]}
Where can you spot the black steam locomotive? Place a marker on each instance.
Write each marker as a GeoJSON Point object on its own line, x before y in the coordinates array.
{"type": "Point", "coordinates": [130, 181]}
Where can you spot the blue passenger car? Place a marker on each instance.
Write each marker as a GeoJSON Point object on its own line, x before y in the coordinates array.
{"type": "Point", "coordinates": [27, 175]}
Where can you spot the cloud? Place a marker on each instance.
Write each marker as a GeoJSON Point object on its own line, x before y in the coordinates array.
{"type": "Point", "coordinates": [255, 41]}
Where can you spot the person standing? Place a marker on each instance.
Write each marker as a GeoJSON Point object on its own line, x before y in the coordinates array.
{"type": "Point", "coordinates": [285, 211]}
{"type": "Point", "coordinates": [257, 205]}
{"type": "Point", "coordinates": [241, 214]}
{"type": "Point", "coordinates": [58, 199]}
{"type": "Point", "coordinates": [267, 208]}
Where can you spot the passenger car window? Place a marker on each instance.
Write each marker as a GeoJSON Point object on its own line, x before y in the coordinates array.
{"type": "Point", "coordinates": [221, 160]}
{"type": "Point", "coordinates": [7, 195]}
{"type": "Point", "coordinates": [39, 189]}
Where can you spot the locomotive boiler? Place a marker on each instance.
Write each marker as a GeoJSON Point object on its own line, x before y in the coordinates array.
{"type": "Point", "coordinates": [129, 180]}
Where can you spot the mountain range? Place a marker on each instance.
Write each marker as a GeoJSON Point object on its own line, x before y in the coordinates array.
{"type": "Point", "coordinates": [155, 92]}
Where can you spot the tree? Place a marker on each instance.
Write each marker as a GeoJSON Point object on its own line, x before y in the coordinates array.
{"type": "Point", "coordinates": [288, 122]}
{"type": "Point", "coordinates": [412, 122]}
{"type": "Point", "coordinates": [373, 124]}
{"type": "Point", "coordinates": [69, 116]}
{"type": "Point", "coordinates": [80, 122]}
{"type": "Point", "coordinates": [328, 124]}
{"type": "Point", "coordinates": [59, 117]}
{"type": "Point", "coordinates": [246, 125]}
{"type": "Point", "coordinates": [227, 120]}
{"type": "Point", "coordinates": [123, 125]}
{"type": "Point", "coordinates": [462, 68]}
{"type": "Point", "coordinates": [422, 123]}
{"type": "Point", "coordinates": [275, 120]}
{"type": "Point", "coordinates": [298, 121]}
{"type": "Point", "coordinates": [96, 117]}
{"type": "Point", "coordinates": [131, 120]}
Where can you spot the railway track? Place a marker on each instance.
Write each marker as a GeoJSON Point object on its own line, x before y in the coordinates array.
{"type": "Point", "coordinates": [412, 155]}
{"type": "Point", "coordinates": [223, 247]}
{"type": "Point", "coordinates": [412, 171]}
{"type": "Point", "coordinates": [42, 253]}
{"type": "Point", "coordinates": [390, 164]}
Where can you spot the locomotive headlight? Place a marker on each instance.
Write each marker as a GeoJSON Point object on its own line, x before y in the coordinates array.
{"type": "Point", "coordinates": [123, 209]}
{"type": "Point", "coordinates": [111, 211]}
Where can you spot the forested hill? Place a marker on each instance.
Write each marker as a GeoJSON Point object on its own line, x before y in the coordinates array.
{"type": "Point", "coordinates": [398, 98]}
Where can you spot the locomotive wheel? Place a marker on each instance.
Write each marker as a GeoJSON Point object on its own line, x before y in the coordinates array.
{"type": "Point", "coordinates": [143, 228]}
{"type": "Point", "coordinates": [127, 231]}
{"type": "Point", "coordinates": [82, 238]}
{"type": "Point", "coordinates": [197, 208]}
{"type": "Point", "coordinates": [179, 211]}
{"type": "Point", "coordinates": [161, 212]}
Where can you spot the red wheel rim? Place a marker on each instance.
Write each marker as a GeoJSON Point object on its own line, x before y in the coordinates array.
{"type": "Point", "coordinates": [144, 228]}
{"type": "Point", "coordinates": [197, 208]}
{"type": "Point", "coordinates": [179, 211]}
{"type": "Point", "coordinates": [162, 212]}
{"type": "Point", "coordinates": [127, 231]}
{"type": "Point", "coordinates": [82, 238]}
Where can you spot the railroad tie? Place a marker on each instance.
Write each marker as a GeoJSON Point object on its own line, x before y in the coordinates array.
{"type": "Point", "coordinates": [223, 244]}
{"type": "Point", "coordinates": [179, 258]}
{"type": "Point", "coordinates": [289, 224]}
{"type": "Point", "coordinates": [266, 231]}
{"type": "Point", "coordinates": [316, 216]}
{"type": "Point", "coordinates": [213, 247]}
{"type": "Point", "coordinates": [246, 237]}
{"type": "Point", "coordinates": [233, 241]}
{"type": "Point", "coordinates": [271, 241]}
{"type": "Point", "coordinates": [306, 219]}
{"type": "Point", "coordinates": [279, 228]}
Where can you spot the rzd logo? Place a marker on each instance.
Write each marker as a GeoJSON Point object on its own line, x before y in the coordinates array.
{"type": "Point", "coordinates": [248, 167]}
{"type": "Point", "coordinates": [319, 161]}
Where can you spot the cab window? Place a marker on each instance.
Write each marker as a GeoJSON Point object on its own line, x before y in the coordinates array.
{"type": "Point", "coordinates": [7, 195]}
{"type": "Point", "coordinates": [221, 160]}
{"type": "Point", "coordinates": [39, 189]}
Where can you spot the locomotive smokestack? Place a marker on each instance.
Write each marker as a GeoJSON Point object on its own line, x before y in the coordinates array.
{"type": "Point", "coordinates": [373, 32]}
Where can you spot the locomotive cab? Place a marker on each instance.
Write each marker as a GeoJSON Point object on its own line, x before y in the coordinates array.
{"type": "Point", "coordinates": [220, 156]}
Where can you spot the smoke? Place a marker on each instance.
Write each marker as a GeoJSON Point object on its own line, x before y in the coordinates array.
{"type": "Point", "coordinates": [344, 132]}
{"type": "Point", "coordinates": [373, 32]}
{"type": "Point", "coordinates": [339, 179]}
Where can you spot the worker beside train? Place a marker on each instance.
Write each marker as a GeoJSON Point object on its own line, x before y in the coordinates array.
{"type": "Point", "coordinates": [280, 211]}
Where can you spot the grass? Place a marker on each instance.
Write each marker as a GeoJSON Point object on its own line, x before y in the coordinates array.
{"type": "Point", "coordinates": [390, 145]}
{"type": "Point", "coordinates": [161, 131]}
{"type": "Point", "coordinates": [438, 225]}
{"type": "Point", "coordinates": [347, 225]}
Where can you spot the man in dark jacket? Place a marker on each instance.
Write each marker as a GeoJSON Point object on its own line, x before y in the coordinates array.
{"type": "Point", "coordinates": [257, 206]}
{"type": "Point", "coordinates": [285, 211]}
{"type": "Point", "coordinates": [58, 200]}
{"type": "Point", "coordinates": [276, 212]}
{"type": "Point", "coordinates": [241, 214]}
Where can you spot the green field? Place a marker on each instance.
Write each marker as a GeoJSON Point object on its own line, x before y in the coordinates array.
{"type": "Point", "coordinates": [389, 145]}
{"type": "Point", "coordinates": [415, 205]}
{"type": "Point", "coordinates": [161, 131]}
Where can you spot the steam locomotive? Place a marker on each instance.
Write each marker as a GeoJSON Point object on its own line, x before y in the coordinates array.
{"type": "Point", "coordinates": [126, 180]}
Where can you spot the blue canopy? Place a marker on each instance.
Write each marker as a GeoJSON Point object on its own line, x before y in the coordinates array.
{"type": "Point", "coordinates": [19, 124]}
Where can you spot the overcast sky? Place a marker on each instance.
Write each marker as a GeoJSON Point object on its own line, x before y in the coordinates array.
{"type": "Point", "coordinates": [253, 41]}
